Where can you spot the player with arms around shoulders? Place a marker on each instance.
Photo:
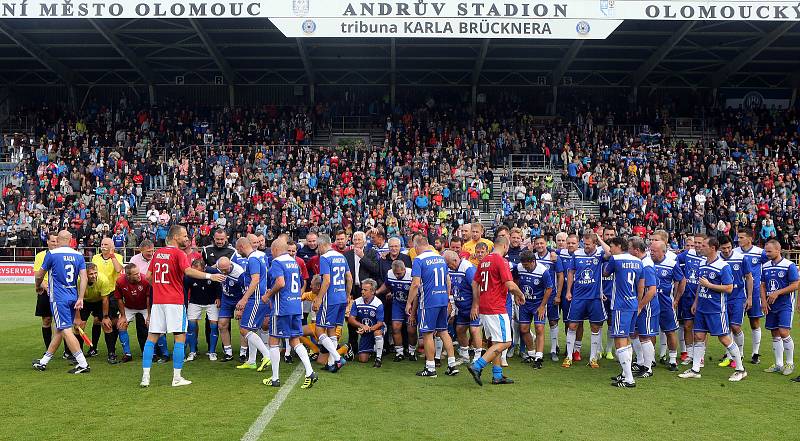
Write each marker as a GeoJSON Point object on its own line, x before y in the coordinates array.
{"type": "Point", "coordinates": [66, 277]}
{"type": "Point", "coordinates": [492, 283]}
{"type": "Point", "coordinates": [167, 313]}
{"type": "Point", "coordinates": [779, 283]}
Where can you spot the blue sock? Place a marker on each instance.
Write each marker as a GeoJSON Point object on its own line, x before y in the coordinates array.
{"type": "Point", "coordinates": [212, 345]}
{"type": "Point", "coordinates": [178, 354]}
{"type": "Point", "coordinates": [162, 345]}
{"type": "Point", "coordinates": [126, 341]}
{"type": "Point", "coordinates": [497, 372]}
{"type": "Point", "coordinates": [191, 337]}
{"type": "Point", "coordinates": [147, 354]}
{"type": "Point", "coordinates": [479, 364]}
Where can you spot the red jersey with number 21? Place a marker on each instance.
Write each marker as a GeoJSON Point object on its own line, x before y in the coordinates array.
{"type": "Point", "coordinates": [166, 272]}
{"type": "Point", "coordinates": [492, 275]}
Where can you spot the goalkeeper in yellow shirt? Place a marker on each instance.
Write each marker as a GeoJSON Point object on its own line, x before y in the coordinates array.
{"type": "Point", "coordinates": [309, 331]}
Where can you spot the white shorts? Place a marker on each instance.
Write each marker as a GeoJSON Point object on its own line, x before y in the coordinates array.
{"type": "Point", "coordinates": [130, 314]}
{"type": "Point", "coordinates": [167, 319]}
{"type": "Point", "coordinates": [194, 311]}
{"type": "Point", "coordinates": [496, 327]}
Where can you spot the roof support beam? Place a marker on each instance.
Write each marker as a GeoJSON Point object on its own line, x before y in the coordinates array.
{"type": "Point", "coordinates": [65, 73]}
{"type": "Point", "coordinates": [221, 62]}
{"type": "Point", "coordinates": [301, 49]}
{"type": "Point", "coordinates": [128, 54]}
{"type": "Point", "coordinates": [476, 71]}
{"type": "Point", "coordinates": [568, 58]}
{"type": "Point", "coordinates": [392, 71]}
{"type": "Point", "coordinates": [658, 56]}
{"type": "Point", "coordinates": [718, 78]}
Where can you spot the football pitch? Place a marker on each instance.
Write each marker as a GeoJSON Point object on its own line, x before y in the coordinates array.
{"type": "Point", "coordinates": [364, 403]}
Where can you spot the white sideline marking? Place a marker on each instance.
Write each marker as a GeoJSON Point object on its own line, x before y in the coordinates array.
{"type": "Point", "coordinates": [269, 411]}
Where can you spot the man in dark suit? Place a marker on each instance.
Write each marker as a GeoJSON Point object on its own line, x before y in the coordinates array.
{"type": "Point", "coordinates": [364, 265]}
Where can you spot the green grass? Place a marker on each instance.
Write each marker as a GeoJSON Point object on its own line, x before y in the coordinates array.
{"type": "Point", "coordinates": [362, 403]}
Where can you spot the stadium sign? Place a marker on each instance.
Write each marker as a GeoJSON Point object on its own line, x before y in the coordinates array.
{"type": "Point", "coordinates": [16, 273]}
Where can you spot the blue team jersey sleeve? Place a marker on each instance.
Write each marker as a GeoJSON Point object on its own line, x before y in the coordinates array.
{"type": "Point", "coordinates": [324, 266]}
{"type": "Point", "coordinates": [548, 280]}
{"type": "Point", "coordinates": [354, 310]}
{"type": "Point", "coordinates": [611, 267]}
{"type": "Point", "coordinates": [80, 265]}
{"type": "Point", "coordinates": [253, 266]}
{"type": "Point", "coordinates": [469, 275]}
{"type": "Point", "coordinates": [649, 276]}
{"type": "Point", "coordinates": [726, 275]}
{"type": "Point", "coordinates": [379, 314]}
{"type": "Point", "coordinates": [677, 273]}
{"type": "Point", "coordinates": [47, 264]}
{"type": "Point", "coordinates": [416, 269]}
{"type": "Point", "coordinates": [560, 265]}
{"type": "Point", "coordinates": [792, 275]}
{"type": "Point", "coordinates": [275, 271]}
{"type": "Point", "coordinates": [747, 267]}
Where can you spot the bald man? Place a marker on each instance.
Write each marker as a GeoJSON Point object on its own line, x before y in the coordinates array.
{"type": "Point", "coordinates": [109, 267]}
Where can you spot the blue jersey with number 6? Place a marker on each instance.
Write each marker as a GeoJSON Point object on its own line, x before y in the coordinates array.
{"type": "Point", "coordinates": [286, 301]}
{"type": "Point", "coordinates": [63, 265]}
{"type": "Point", "coordinates": [335, 265]}
{"type": "Point", "coordinates": [432, 269]}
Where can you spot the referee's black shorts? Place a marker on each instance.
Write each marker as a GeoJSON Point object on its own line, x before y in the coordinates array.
{"type": "Point", "coordinates": [43, 305]}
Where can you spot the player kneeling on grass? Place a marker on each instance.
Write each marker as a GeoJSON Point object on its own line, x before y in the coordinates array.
{"type": "Point", "coordinates": [287, 312]}
{"type": "Point", "coordinates": [133, 296]}
{"type": "Point", "coordinates": [203, 295]}
{"type": "Point", "coordinates": [366, 315]}
{"type": "Point", "coordinates": [492, 283]}
{"type": "Point", "coordinates": [66, 273]}
{"type": "Point", "coordinates": [309, 338]}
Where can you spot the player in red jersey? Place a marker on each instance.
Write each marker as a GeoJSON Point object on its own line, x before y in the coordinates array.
{"type": "Point", "coordinates": [168, 313]}
{"type": "Point", "coordinates": [490, 287]}
{"type": "Point", "coordinates": [133, 300]}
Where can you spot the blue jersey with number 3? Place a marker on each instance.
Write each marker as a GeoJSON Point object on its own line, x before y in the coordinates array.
{"type": "Point", "coordinates": [432, 269]}
{"type": "Point", "coordinates": [63, 265]}
{"type": "Point", "coordinates": [287, 300]}
{"type": "Point", "coordinates": [335, 265]}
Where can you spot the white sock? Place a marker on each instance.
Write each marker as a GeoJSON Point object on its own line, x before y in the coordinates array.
{"type": "Point", "coordinates": [243, 350]}
{"type": "Point", "coordinates": [378, 347]}
{"type": "Point", "coordinates": [463, 352]}
{"type": "Point", "coordinates": [81, 359]}
{"type": "Point", "coordinates": [739, 340]}
{"type": "Point", "coordinates": [45, 358]}
{"type": "Point", "coordinates": [430, 365]}
{"type": "Point", "coordinates": [227, 350]}
{"type": "Point", "coordinates": [476, 354]}
{"type": "Point", "coordinates": [437, 341]}
{"type": "Point", "coordinates": [302, 354]}
{"type": "Point", "coordinates": [735, 355]}
{"type": "Point", "coordinates": [756, 336]}
{"type": "Point", "coordinates": [503, 355]}
{"type": "Point", "coordinates": [275, 358]}
{"type": "Point", "coordinates": [578, 345]}
{"type": "Point", "coordinates": [662, 345]}
{"type": "Point", "coordinates": [254, 341]}
{"type": "Point", "coordinates": [398, 349]}
{"type": "Point", "coordinates": [788, 346]}
{"type": "Point", "coordinates": [649, 355]}
{"type": "Point", "coordinates": [636, 344]}
{"type": "Point", "coordinates": [451, 361]}
{"type": "Point", "coordinates": [412, 349]}
{"type": "Point", "coordinates": [609, 340]}
{"type": "Point", "coordinates": [570, 343]}
{"type": "Point", "coordinates": [699, 355]}
{"type": "Point", "coordinates": [777, 349]}
{"type": "Point", "coordinates": [673, 357]}
{"type": "Point", "coordinates": [327, 343]}
{"type": "Point", "coordinates": [264, 336]}
{"type": "Point", "coordinates": [176, 374]}
{"type": "Point", "coordinates": [553, 339]}
{"type": "Point", "coordinates": [625, 359]}
{"type": "Point", "coordinates": [538, 355]}
{"type": "Point", "coordinates": [288, 351]}
{"type": "Point", "coordinates": [596, 345]}
{"type": "Point", "coordinates": [681, 341]}
{"type": "Point", "coordinates": [146, 372]}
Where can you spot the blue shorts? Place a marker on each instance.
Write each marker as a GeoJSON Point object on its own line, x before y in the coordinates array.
{"type": "Point", "coordinates": [463, 316]}
{"type": "Point", "coordinates": [623, 323]}
{"type": "Point", "coordinates": [755, 309]}
{"type": "Point", "coordinates": [528, 314]}
{"type": "Point", "coordinates": [565, 306]}
{"type": "Point", "coordinates": [607, 307]}
{"type": "Point", "coordinates": [286, 326]}
{"type": "Point", "coordinates": [735, 309]}
{"type": "Point", "coordinates": [714, 323]}
{"type": "Point", "coordinates": [399, 311]}
{"type": "Point", "coordinates": [685, 308]}
{"type": "Point", "coordinates": [779, 319]}
{"type": "Point", "coordinates": [552, 312]}
{"type": "Point", "coordinates": [647, 322]}
{"type": "Point", "coordinates": [254, 314]}
{"type": "Point", "coordinates": [432, 319]}
{"type": "Point", "coordinates": [330, 316]}
{"type": "Point", "coordinates": [582, 309]}
{"type": "Point", "coordinates": [227, 306]}
{"type": "Point", "coordinates": [63, 314]}
{"type": "Point", "coordinates": [667, 319]}
{"type": "Point", "coordinates": [366, 343]}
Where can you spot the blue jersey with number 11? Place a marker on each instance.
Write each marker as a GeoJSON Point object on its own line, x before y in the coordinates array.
{"type": "Point", "coordinates": [432, 269]}
{"type": "Point", "coordinates": [63, 265]}
{"type": "Point", "coordinates": [335, 265]}
{"type": "Point", "coordinates": [287, 300]}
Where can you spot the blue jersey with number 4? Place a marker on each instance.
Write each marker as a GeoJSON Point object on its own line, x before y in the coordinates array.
{"type": "Point", "coordinates": [286, 301]}
{"type": "Point", "coordinates": [335, 266]}
{"type": "Point", "coordinates": [627, 271]}
{"type": "Point", "coordinates": [432, 269]}
{"type": "Point", "coordinates": [63, 266]}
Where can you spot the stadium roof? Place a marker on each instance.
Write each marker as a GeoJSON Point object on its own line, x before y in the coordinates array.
{"type": "Point", "coordinates": [113, 52]}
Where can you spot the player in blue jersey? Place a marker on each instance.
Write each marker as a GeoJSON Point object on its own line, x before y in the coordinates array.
{"type": "Point", "coordinates": [536, 283]}
{"type": "Point", "coordinates": [66, 278]}
{"type": "Point", "coordinates": [647, 318]}
{"type": "Point", "coordinates": [663, 236]}
{"type": "Point", "coordinates": [690, 262]}
{"type": "Point", "coordinates": [333, 299]}
{"type": "Point", "coordinates": [396, 284]}
{"type": "Point", "coordinates": [462, 271]}
{"type": "Point", "coordinates": [232, 289]}
{"type": "Point", "coordinates": [670, 281]}
{"type": "Point", "coordinates": [583, 294]}
{"type": "Point", "coordinates": [550, 260]}
{"type": "Point", "coordinates": [628, 289]}
{"type": "Point", "coordinates": [779, 281]}
{"type": "Point", "coordinates": [565, 255]}
{"type": "Point", "coordinates": [251, 310]}
{"type": "Point", "coordinates": [285, 298]}
{"type": "Point", "coordinates": [429, 296]}
{"type": "Point", "coordinates": [757, 257]}
{"type": "Point", "coordinates": [737, 300]}
{"type": "Point", "coordinates": [367, 316]}
{"type": "Point", "coordinates": [607, 286]}
{"type": "Point", "coordinates": [715, 280]}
